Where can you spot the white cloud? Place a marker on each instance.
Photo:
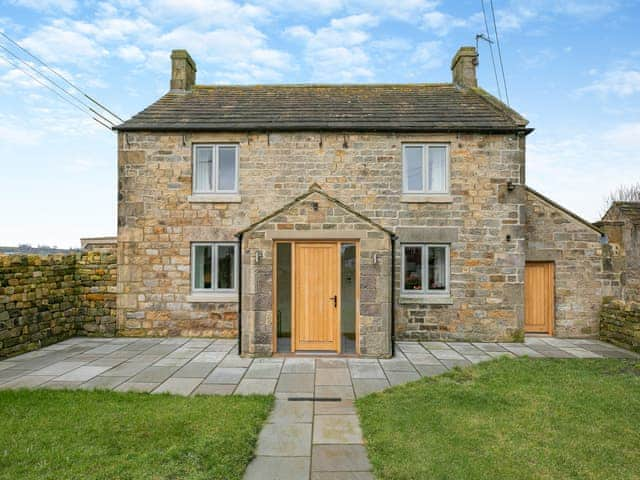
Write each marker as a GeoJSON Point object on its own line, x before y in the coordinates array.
{"type": "Point", "coordinates": [626, 135]}
{"type": "Point", "coordinates": [130, 53]}
{"type": "Point", "coordinates": [442, 23]}
{"type": "Point", "coordinates": [57, 43]}
{"type": "Point", "coordinates": [617, 82]}
{"type": "Point", "coordinates": [66, 6]}
{"type": "Point", "coordinates": [225, 13]}
{"type": "Point", "coordinates": [428, 55]}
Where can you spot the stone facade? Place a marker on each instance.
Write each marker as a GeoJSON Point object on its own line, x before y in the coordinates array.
{"type": "Point", "coordinates": [621, 224]}
{"type": "Point", "coordinates": [553, 234]}
{"type": "Point", "coordinates": [620, 323]}
{"type": "Point", "coordinates": [44, 299]}
{"type": "Point", "coordinates": [482, 220]}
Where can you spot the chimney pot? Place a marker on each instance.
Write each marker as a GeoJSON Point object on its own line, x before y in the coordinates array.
{"type": "Point", "coordinates": [463, 67]}
{"type": "Point", "coordinates": [183, 70]}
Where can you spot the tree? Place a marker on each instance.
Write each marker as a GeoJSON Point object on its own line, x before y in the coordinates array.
{"type": "Point", "coordinates": [623, 193]}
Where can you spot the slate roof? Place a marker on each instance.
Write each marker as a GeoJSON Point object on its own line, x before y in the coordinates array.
{"type": "Point", "coordinates": [398, 108]}
{"type": "Point", "coordinates": [631, 210]}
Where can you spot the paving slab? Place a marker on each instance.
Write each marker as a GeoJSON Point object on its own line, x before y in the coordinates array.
{"type": "Point", "coordinates": [365, 386]}
{"type": "Point", "coordinates": [82, 374]}
{"type": "Point", "coordinates": [154, 374]}
{"type": "Point", "coordinates": [367, 370]}
{"type": "Point", "coordinates": [136, 387]}
{"type": "Point", "coordinates": [343, 407]}
{"type": "Point", "coordinates": [103, 383]}
{"type": "Point", "coordinates": [264, 370]}
{"type": "Point", "coordinates": [226, 375]}
{"type": "Point", "coordinates": [56, 385]}
{"type": "Point", "coordinates": [26, 381]}
{"type": "Point", "coordinates": [256, 386]}
{"type": "Point", "coordinates": [299, 365]}
{"type": "Point", "coordinates": [331, 363]}
{"type": "Point", "coordinates": [336, 429]}
{"type": "Point", "coordinates": [234, 361]}
{"type": "Point", "coordinates": [397, 365]}
{"type": "Point", "coordinates": [431, 370]}
{"type": "Point", "coordinates": [339, 458]}
{"type": "Point", "coordinates": [278, 468]}
{"type": "Point", "coordinates": [335, 391]}
{"type": "Point", "coordinates": [195, 370]}
{"type": "Point", "coordinates": [126, 369]}
{"type": "Point", "coordinates": [295, 382]}
{"type": "Point", "coordinates": [178, 386]}
{"type": "Point", "coordinates": [59, 368]}
{"type": "Point", "coordinates": [285, 440]}
{"type": "Point", "coordinates": [285, 411]}
{"type": "Point", "coordinates": [342, 476]}
{"type": "Point", "coordinates": [333, 376]}
{"type": "Point", "coordinates": [214, 389]}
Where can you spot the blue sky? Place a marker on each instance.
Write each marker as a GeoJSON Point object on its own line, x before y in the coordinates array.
{"type": "Point", "coordinates": [572, 68]}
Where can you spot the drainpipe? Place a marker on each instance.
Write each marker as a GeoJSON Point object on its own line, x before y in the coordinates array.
{"type": "Point", "coordinates": [240, 295]}
{"type": "Point", "coordinates": [393, 295]}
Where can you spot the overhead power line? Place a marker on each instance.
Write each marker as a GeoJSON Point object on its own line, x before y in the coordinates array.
{"type": "Point", "coordinates": [62, 77]}
{"type": "Point", "coordinates": [495, 28]}
{"type": "Point", "coordinates": [48, 87]}
{"type": "Point", "coordinates": [53, 82]}
{"type": "Point", "coordinates": [493, 60]}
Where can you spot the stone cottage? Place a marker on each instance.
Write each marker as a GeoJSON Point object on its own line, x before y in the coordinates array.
{"type": "Point", "coordinates": [338, 218]}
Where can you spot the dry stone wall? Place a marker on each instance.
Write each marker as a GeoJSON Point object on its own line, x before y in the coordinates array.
{"type": "Point", "coordinates": [45, 299]}
{"type": "Point", "coordinates": [620, 323]}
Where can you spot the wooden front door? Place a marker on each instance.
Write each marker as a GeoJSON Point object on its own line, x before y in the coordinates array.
{"type": "Point", "coordinates": [317, 298]}
{"type": "Point", "coordinates": [539, 297]}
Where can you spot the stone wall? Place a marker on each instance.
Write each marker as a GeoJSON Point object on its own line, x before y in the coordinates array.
{"type": "Point", "coordinates": [157, 222]}
{"type": "Point", "coordinates": [553, 234]}
{"type": "Point", "coordinates": [44, 299]}
{"type": "Point", "coordinates": [620, 323]}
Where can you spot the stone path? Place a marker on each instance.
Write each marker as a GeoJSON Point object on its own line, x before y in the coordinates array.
{"type": "Point", "coordinates": [313, 431]}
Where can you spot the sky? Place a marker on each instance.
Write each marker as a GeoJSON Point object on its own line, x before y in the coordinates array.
{"type": "Point", "coordinates": [572, 68]}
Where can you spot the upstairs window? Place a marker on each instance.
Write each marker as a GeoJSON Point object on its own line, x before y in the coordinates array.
{"type": "Point", "coordinates": [215, 168]}
{"type": "Point", "coordinates": [214, 267]}
{"type": "Point", "coordinates": [425, 269]}
{"type": "Point", "coordinates": [425, 168]}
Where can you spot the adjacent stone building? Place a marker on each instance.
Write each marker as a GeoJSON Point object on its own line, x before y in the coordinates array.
{"type": "Point", "coordinates": [340, 217]}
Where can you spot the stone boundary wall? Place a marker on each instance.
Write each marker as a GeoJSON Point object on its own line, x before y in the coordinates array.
{"type": "Point", "coordinates": [45, 299]}
{"type": "Point", "coordinates": [620, 324]}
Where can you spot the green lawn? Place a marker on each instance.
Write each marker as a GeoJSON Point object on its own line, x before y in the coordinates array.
{"type": "Point", "coordinates": [48, 434]}
{"type": "Point", "coordinates": [510, 419]}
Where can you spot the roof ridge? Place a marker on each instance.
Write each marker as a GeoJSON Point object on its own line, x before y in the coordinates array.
{"type": "Point", "coordinates": [499, 105]}
{"type": "Point", "coordinates": [323, 85]}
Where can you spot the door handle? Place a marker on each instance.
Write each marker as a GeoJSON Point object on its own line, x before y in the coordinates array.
{"type": "Point", "coordinates": [335, 301]}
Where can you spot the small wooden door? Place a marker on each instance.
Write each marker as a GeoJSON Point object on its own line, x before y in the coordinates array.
{"type": "Point", "coordinates": [539, 297]}
{"type": "Point", "coordinates": [316, 296]}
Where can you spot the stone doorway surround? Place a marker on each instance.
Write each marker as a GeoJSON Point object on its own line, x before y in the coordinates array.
{"type": "Point", "coordinates": [315, 216]}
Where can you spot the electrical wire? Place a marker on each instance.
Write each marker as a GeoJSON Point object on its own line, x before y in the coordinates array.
{"type": "Point", "coordinates": [493, 60]}
{"type": "Point", "coordinates": [60, 76]}
{"type": "Point", "coordinates": [65, 99]}
{"type": "Point", "coordinates": [42, 75]}
{"type": "Point", "coordinates": [495, 28]}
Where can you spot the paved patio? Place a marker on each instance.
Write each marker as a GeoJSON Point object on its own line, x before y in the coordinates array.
{"type": "Point", "coordinates": [313, 431]}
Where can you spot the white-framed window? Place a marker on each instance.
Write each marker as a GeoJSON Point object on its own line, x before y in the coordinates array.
{"type": "Point", "coordinates": [425, 168]}
{"type": "Point", "coordinates": [214, 267]}
{"type": "Point", "coordinates": [215, 168]}
{"type": "Point", "coordinates": [425, 269]}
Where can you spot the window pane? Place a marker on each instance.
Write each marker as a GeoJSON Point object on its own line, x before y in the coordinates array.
{"type": "Point", "coordinates": [204, 164]}
{"type": "Point", "coordinates": [413, 168]}
{"type": "Point", "coordinates": [437, 169]}
{"type": "Point", "coordinates": [202, 267]}
{"type": "Point", "coordinates": [413, 268]}
{"type": "Point", "coordinates": [348, 297]}
{"type": "Point", "coordinates": [227, 168]}
{"type": "Point", "coordinates": [226, 262]}
{"type": "Point", "coordinates": [284, 297]}
{"type": "Point", "coordinates": [437, 268]}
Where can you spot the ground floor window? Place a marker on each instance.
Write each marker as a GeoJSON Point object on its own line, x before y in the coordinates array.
{"type": "Point", "coordinates": [214, 267]}
{"type": "Point", "coordinates": [425, 268]}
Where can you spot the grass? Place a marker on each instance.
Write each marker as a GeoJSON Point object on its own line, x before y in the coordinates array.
{"type": "Point", "coordinates": [510, 418]}
{"type": "Point", "coordinates": [49, 434]}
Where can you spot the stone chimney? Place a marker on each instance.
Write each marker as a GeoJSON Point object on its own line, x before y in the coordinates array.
{"type": "Point", "coordinates": [463, 67]}
{"type": "Point", "coordinates": [183, 70]}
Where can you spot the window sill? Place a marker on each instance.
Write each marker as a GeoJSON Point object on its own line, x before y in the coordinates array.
{"type": "Point", "coordinates": [426, 198]}
{"type": "Point", "coordinates": [215, 198]}
{"type": "Point", "coordinates": [212, 298]}
{"type": "Point", "coordinates": [426, 299]}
